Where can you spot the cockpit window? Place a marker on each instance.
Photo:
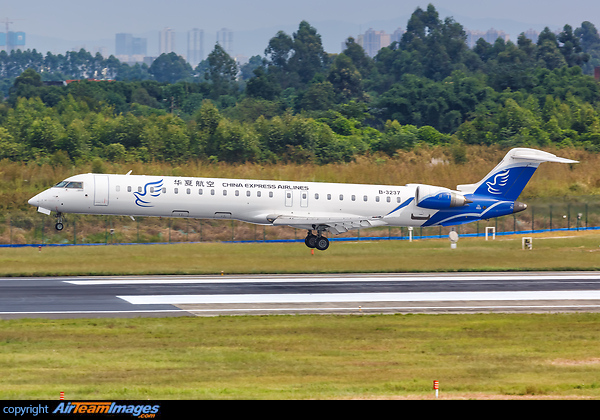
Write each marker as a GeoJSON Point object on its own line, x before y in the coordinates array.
{"type": "Point", "coordinates": [71, 184]}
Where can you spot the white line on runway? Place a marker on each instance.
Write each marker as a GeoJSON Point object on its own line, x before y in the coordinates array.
{"type": "Point", "coordinates": [362, 297]}
{"type": "Point", "coordinates": [310, 279]}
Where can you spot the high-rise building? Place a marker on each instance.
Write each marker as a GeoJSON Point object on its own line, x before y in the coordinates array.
{"type": "Point", "coordinates": [490, 36]}
{"type": "Point", "coordinates": [533, 35]}
{"type": "Point", "coordinates": [372, 41]}
{"type": "Point", "coordinates": [166, 41]}
{"type": "Point", "coordinates": [225, 40]}
{"type": "Point", "coordinates": [127, 44]}
{"type": "Point", "coordinates": [12, 40]}
{"type": "Point", "coordinates": [493, 34]}
{"type": "Point", "coordinates": [397, 35]}
{"type": "Point", "coordinates": [195, 47]}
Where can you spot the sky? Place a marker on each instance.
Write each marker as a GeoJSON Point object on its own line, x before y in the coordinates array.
{"type": "Point", "coordinates": [97, 22]}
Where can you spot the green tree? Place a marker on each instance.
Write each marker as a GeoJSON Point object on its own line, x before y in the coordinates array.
{"type": "Point", "coordinates": [222, 72]}
{"type": "Point", "coordinates": [345, 78]}
{"type": "Point", "coordinates": [170, 68]}
{"type": "Point", "coordinates": [548, 51]}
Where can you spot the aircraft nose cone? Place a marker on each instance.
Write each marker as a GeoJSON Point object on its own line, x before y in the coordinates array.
{"type": "Point", "coordinates": [34, 201]}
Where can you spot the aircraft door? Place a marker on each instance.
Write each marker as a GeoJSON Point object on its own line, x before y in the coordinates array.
{"type": "Point", "coordinates": [289, 199]}
{"type": "Point", "coordinates": [101, 190]}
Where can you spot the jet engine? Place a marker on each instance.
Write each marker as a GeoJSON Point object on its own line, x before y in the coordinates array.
{"type": "Point", "coordinates": [430, 197]}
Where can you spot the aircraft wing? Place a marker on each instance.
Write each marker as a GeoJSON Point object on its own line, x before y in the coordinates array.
{"type": "Point", "coordinates": [336, 224]}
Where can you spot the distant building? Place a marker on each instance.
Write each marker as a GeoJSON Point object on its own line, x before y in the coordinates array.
{"type": "Point", "coordinates": [12, 40]}
{"type": "Point", "coordinates": [166, 41]}
{"type": "Point", "coordinates": [195, 47]}
{"type": "Point", "coordinates": [490, 36]}
{"type": "Point", "coordinates": [372, 41]}
{"type": "Point", "coordinates": [127, 44]}
{"type": "Point", "coordinates": [397, 35]}
{"type": "Point", "coordinates": [225, 40]}
{"type": "Point", "coordinates": [532, 35]}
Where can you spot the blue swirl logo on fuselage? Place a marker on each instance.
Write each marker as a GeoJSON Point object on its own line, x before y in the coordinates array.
{"type": "Point", "coordinates": [150, 190]}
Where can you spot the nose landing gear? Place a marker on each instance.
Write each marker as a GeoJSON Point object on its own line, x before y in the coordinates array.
{"type": "Point", "coordinates": [59, 222]}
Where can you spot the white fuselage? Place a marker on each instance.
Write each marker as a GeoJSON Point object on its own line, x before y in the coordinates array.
{"type": "Point", "coordinates": [253, 201]}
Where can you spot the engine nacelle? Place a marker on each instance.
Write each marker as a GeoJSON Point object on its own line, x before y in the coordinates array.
{"type": "Point", "coordinates": [437, 198]}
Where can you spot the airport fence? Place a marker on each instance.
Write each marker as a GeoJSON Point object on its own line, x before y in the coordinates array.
{"type": "Point", "coordinates": [29, 228]}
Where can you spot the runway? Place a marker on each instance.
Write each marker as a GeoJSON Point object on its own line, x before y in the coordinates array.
{"type": "Point", "coordinates": [144, 296]}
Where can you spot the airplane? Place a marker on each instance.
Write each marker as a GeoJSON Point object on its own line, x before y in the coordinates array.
{"type": "Point", "coordinates": [317, 207]}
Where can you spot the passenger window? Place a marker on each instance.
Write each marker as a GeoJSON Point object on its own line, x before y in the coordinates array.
{"type": "Point", "coordinates": [200, 191]}
{"type": "Point", "coordinates": [237, 193]}
{"type": "Point", "coordinates": [212, 192]}
{"type": "Point", "coordinates": [176, 190]}
{"type": "Point", "coordinates": [329, 196]}
{"type": "Point", "coordinates": [128, 189]}
{"type": "Point", "coordinates": [151, 189]}
{"type": "Point", "coordinates": [164, 190]}
{"type": "Point", "coordinates": [270, 194]}
{"type": "Point", "coordinates": [389, 199]}
{"type": "Point", "coordinates": [289, 195]}
{"type": "Point", "coordinates": [398, 199]}
{"type": "Point", "coordinates": [377, 199]}
{"type": "Point", "coordinates": [341, 197]}
{"type": "Point", "coordinates": [140, 189]}
{"type": "Point", "coordinates": [248, 193]}
{"type": "Point", "coordinates": [353, 198]}
{"type": "Point", "coordinates": [316, 196]}
{"type": "Point", "coordinates": [189, 191]}
{"type": "Point", "coordinates": [224, 192]}
{"type": "Point", "coordinates": [118, 188]}
{"type": "Point", "coordinates": [365, 198]}
{"type": "Point", "coordinates": [258, 193]}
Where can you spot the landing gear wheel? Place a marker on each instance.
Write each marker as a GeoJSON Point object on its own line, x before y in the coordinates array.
{"type": "Point", "coordinates": [59, 226]}
{"type": "Point", "coordinates": [311, 240]}
{"type": "Point", "coordinates": [322, 243]}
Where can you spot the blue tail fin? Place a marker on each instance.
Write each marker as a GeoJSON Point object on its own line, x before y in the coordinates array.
{"type": "Point", "coordinates": [508, 179]}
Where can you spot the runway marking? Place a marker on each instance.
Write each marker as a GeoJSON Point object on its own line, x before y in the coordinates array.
{"type": "Point", "coordinates": [362, 297]}
{"type": "Point", "coordinates": [91, 312]}
{"type": "Point", "coordinates": [337, 279]}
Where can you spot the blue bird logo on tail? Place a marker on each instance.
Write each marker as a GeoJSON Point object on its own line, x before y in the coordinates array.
{"type": "Point", "coordinates": [151, 190]}
{"type": "Point", "coordinates": [500, 180]}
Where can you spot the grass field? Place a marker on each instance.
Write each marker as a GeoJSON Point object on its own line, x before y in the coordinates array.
{"type": "Point", "coordinates": [477, 356]}
{"type": "Point", "coordinates": [303, 357]}
{"type": "Point", "coordinates": [578, 251]}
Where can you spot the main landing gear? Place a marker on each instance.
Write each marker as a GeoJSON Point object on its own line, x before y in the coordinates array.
{"type": "Point", "coordinates": [59, 222]}
{"type": "Point", "coordinates": [316, 241]}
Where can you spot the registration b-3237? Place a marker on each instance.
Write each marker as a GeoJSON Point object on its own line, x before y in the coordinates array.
{"type": "Point", "coordinates": [318, 207]}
